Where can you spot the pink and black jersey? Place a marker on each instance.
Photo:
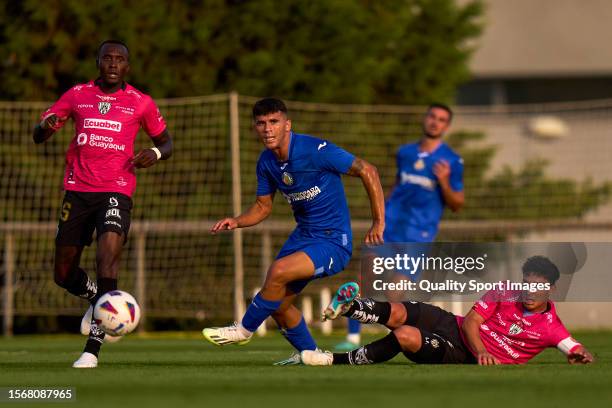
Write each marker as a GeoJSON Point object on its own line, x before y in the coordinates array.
{"type": "Point", "coordinates": [98, 159]}
{"type": "Point", "coordinates": [515, 337]}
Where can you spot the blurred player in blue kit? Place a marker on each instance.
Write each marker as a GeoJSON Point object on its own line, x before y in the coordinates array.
{"type": "Point", "coordinates": [307, 171]}
{"type": "Point", "coordinates": [429, 178]}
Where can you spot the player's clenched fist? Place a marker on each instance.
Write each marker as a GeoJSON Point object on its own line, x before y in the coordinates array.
{"type": "Point", "coordinates": [145, 158]}
{"type": "Point", "coordinates": [225, 224]}
{"type": "Point", "coordinates": [52, 122]}
{"type": "Point", "coordinates": [442, 170]}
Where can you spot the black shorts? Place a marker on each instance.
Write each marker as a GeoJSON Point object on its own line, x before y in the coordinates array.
{"type": "Point", "coordinates": [440, 329]}
{"type": "Point", "coordinates": [82, 213]}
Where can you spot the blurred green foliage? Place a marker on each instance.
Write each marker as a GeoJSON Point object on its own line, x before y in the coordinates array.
{"type": "Point", "coordinates": [525, 192]}
{"type": "Point", "coordinates": [351, 51]}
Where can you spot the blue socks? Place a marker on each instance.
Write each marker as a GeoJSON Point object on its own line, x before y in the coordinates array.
{"type": "Point", "coordinates": [300, 337]}
{"type": "Point", "coordinates": [354, 326]}
{"type": "Point", "coordinates": [258, 311]}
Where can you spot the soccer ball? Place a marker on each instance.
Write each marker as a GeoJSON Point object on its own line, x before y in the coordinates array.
{"type": "Point", "coordinates": [117, 313]}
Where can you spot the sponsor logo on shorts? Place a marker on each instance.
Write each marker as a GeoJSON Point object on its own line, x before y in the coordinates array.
{"type": "Point", "coordinates": [91, 123]}
{"type": "Point", "coordinates": [435, 343]}
{"type": "Point", "coordinates": [113, 202]}
{"type": "Point", "coordinates": [113, 212]}
{"type": "Point", "coordinates": [116, 224]}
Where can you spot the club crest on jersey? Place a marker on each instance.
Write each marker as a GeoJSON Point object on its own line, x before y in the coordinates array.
{"type": "Point", "coordinates": [104, 107]}
{"type": "Point", "coordinates": [515, 329]}
{"type": "Point", "coordinates": [419, 164]}
{"type": "Point", "coordinates": [287, 178]}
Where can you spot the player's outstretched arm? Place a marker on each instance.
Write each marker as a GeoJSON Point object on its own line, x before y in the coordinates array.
{"type": "Point", "coordinates": [471, 329]}
{"type": "Point", "coordinates": [580, 355]}
{"type": "Point", "coordinates": [371, 181]}
{"type": "Point", "coordinates": [46, 128]}
{"type": "Point", "coordinates": [162, 151]}
{"type": "Point", "coordinates": [453, 199]}
{"type": "Point", "coordinates": [258, 212]}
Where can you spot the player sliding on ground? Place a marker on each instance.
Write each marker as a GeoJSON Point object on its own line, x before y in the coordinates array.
{"type": "Point", "coordinates": [502, 327]}
{"type": "Point", "coordinates": [307, 171]}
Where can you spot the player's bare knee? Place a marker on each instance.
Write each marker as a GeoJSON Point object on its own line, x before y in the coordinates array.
{"type": "Point", "coordinates": [408, 337]}
{"type": "Point", "coordinates": [398, 316]}
{"type": "Point", "coordinates": [277, 274]}
{"type": "Point", "coordinates": [61, 273]}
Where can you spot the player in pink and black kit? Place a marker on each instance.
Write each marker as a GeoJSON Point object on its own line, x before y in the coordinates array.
{"type": "Point", "coordinates": [100, 175]}
{"type": "Point", "coordinates": [502, 328]}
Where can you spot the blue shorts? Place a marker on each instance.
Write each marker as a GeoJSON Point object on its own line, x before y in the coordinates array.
{"type": "Point", "coordinates": [406, 233]}
{"type": "Point", "coordinates": [329, 256]}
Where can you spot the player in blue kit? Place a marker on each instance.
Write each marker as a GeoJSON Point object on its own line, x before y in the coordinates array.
{"type": "Point", "coordinates": [429, 178]}
{"type": "Point", "coordinates": [307, 171]}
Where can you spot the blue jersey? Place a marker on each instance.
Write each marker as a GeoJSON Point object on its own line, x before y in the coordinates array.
{"type": "Point", "coordinates": [416, 205]}
{"type": "Point", "coordinates": [310, 180]}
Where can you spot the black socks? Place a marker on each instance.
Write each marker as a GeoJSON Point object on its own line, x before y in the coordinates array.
{"type": "Point", "coordinates": [377, 352]}
{"type": "Point", "coordinates": [79, 284]}
{"type": "Point", "coordinates": [369, 311]}
{"type": "Point", "coordinates": [96, 335]}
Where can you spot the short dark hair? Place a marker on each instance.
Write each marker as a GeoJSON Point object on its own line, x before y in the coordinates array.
{"type": "Point", "coordinates": [541, 266]}
{"type": "Point", "coordinates": [267, 106]}
{"type": "Point", "coordinates": [116, 42]}
{"type": "Point", "coordinates": [442, 106]}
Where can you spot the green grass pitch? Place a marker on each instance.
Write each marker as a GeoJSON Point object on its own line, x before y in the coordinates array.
{"type": "Point", "coordinates": [164, 370]}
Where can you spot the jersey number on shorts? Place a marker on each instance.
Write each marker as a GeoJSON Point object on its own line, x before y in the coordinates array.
{"type": "Point", "coordinates": [66, 211]}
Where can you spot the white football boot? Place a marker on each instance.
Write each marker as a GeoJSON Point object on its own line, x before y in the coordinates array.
{"type": "Point", "coordinates": [232, 334]}
{"type": "Point", "coordinates": [87, 360]}
{"type": "Point", "coordinates": [86, 327]}
{"type": "Point", "coordinates": [317, 358]}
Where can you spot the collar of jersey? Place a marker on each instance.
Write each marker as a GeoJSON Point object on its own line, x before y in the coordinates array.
{"type": "Point", "coordinates": [291, 137]}
{"type": "Point", "coordinates": [96, 82]}
{"type": "Point", "coordinates": [528, 313]}
{"type": "Point", "coordinates": [426, 154]}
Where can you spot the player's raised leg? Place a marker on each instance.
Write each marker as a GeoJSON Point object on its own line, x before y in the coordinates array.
{"type": "Point", "coordinates": [293, 267]}
{"type": "Point", "coordinates": [346, 302]}
{"type": "Point", "coordinates": [108, 255]}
